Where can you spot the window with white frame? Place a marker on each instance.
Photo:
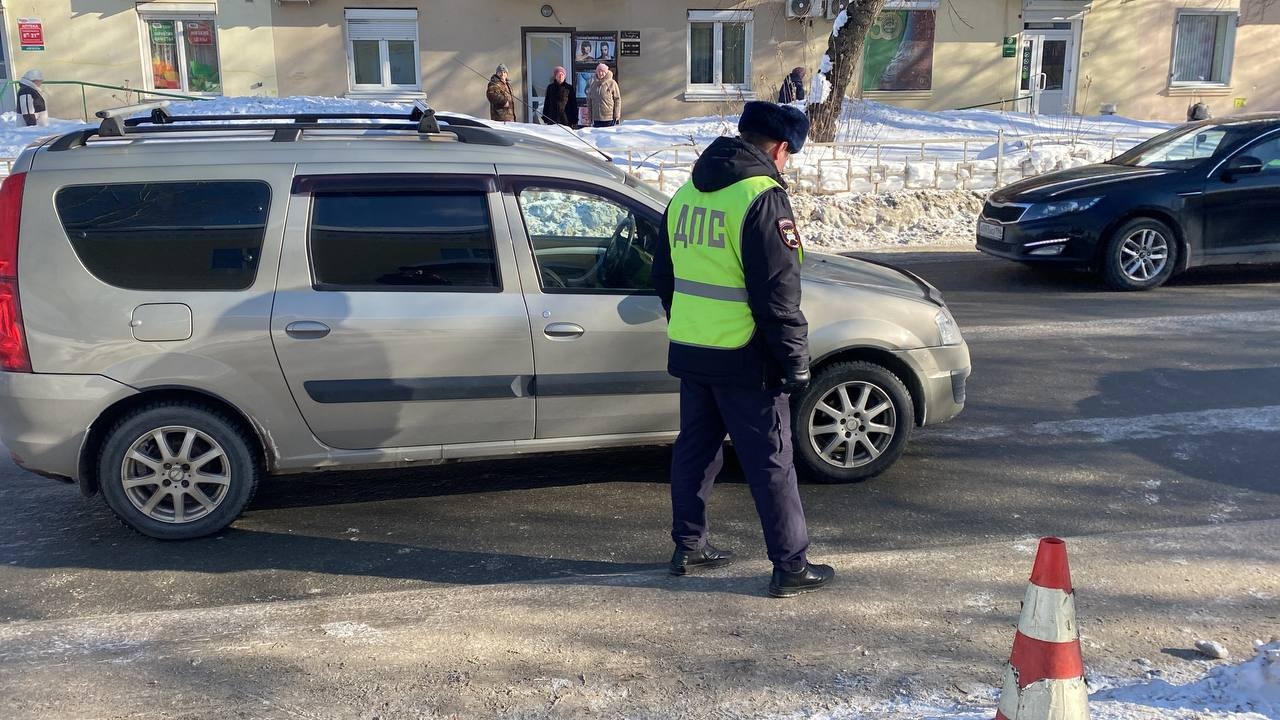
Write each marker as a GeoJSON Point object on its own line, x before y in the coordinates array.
{"type": "Point", "coordinates": [382, 50]}
{"type": "Point", "coordinates": [1203, 45]}
{"type": "Point", "coordinates": [182, 50]}
{"type": "Point", "coordinates": [718, 56]}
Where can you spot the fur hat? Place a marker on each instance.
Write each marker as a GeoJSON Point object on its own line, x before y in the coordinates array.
{"type": "Point", "coordinates": [501, 69]}
{"type": "Point", "coordinates": [778, 122]}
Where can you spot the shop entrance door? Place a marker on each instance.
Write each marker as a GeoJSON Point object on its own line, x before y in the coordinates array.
{"type": "Point", "coordinates": [543, 51]}
{"type": "Point", "coordinates": [1046, 72]}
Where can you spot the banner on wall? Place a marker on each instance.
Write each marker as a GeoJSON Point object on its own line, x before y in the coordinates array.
{"type": "Point", "coordinates": [199, 32]}
{"type": "Point", "coordinates": [30, 34]}
{"type": "Point", "coordinates": [898, 53]}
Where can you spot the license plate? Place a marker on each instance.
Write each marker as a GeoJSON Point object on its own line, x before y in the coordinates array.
{"type": "Point", "coordinates": [990, 231]}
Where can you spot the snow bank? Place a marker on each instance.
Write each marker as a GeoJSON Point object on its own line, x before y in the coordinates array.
{"type": "Point", "coordinates": [876, 220]}
{"type": "Point", "coordinates": [1252, 686]}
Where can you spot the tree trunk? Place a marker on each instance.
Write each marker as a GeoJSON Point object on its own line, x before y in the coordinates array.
{"type": "Point", "coordinates": [844, 49]}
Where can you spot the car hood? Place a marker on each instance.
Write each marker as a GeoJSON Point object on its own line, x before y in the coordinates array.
{"type": "Point", "coordinates": [840, 270]}
{"type": "Point", "coordinates": [1073, 182]}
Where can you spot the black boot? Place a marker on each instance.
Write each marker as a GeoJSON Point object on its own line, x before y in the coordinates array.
{"type": "Point", "coordinates": [684, 562]}
{"type": "Point", "coordinates": [810, 579]}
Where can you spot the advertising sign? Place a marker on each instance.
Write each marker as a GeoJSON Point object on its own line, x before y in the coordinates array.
{"type": "Point", "coordinates": [161, 32]}
{"type": "Point", "coordinates": [629, 45]}
{"type": "Point", "coordinates": [30, 34]}
{"type": "Point", "coordinates": [898, 54]}
{"type": "Point", "coordinates": [199, 32]}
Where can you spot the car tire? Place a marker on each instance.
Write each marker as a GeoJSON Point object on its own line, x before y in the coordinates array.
{"type": "Point", "coordinates": [882, 389]}
{"type": "Point", "coordinates": [196, 486]}
{"type": "Point", "coordinates": [1140, 255]}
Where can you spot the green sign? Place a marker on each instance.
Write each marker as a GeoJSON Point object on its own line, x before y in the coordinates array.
{"type": "Point", "coordinates": [1010, 46]}
{"type": "Point", "coordinates": [898, 51]}
{"type": "Point", "coordinates": [161, 33]}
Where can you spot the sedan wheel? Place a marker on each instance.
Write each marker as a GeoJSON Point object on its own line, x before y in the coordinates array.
{"type": "Point", "coordinates": [1140, 255]}
{"type": "Point", "coordinates": [852, 422]}
{"type": "Point", "coordinates": [176, 474]}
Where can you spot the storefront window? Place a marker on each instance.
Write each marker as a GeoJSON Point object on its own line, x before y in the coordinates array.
{"type": "Point", "coordinates": [898, 54]}
{"type": "Point", "coordinates": [719, 53]}
{"type": "Point", "coordinates": [184, 54]}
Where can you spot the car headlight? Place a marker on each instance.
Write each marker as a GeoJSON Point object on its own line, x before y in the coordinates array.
{"type": "Point", "coordinates": [948, 330]}
{"type": "Point", "coordinates": [1039, 211]}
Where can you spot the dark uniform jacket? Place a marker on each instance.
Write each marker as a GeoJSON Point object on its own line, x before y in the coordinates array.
{"type": "Point", "coordinates": [562, 104]}
{"type": "Point", "coordinates": [772, 269]}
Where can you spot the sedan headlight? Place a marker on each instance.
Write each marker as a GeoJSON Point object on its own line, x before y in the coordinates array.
{"type": "Point", "coordinates": [1039, 211]}
{"type": "Point", "coordinates": [948, 330]}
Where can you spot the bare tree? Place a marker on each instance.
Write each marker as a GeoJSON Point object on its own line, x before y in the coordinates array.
{"type": "Point", "coordinates": [832, 80]}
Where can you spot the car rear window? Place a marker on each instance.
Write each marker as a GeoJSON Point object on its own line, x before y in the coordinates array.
{"type": "Point", "coordinates": [168, 235]}
{"type": "Point", "coordinates": [403, 240]}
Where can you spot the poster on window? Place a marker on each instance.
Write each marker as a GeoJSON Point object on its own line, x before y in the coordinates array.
{"type": "Point", "coordinates": [898, 54]}
{"type": "Point", "coordinates": [199, 32]}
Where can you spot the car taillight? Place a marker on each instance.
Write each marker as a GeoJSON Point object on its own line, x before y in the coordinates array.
{"type": "Point", "coordinates": [13, 338]}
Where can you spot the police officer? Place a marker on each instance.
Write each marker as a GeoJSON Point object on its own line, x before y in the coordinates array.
{"type": "Point", "coordinates": [728, 273]}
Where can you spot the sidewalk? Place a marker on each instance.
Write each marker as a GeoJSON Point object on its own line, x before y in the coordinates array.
{"type": "Point", "coordinates": [909, 626]}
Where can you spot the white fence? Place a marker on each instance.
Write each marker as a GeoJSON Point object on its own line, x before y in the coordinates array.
{"type": "Point", "coordinates": [968, 163]}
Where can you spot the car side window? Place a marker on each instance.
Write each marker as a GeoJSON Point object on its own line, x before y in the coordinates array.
{"type": "Point", "coordinates": [585, 242]}
{"type": "Point", "coordinates": [403, 240]}
{"type": "Point", "coordinates": [1268, 151]}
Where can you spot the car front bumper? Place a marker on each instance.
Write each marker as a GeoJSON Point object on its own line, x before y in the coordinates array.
{"type": "Point", "coordinates": [943, 373]}
{"type": "Point", "coordinates": [1065, 240]}
{"type": "Point", "coordinates": [44, 418]}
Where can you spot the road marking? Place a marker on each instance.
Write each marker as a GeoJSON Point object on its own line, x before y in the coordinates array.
{"type": "Point", "coordinates": [1256, 321]}
{"type": "Point", "coordinates": [1116, 429]}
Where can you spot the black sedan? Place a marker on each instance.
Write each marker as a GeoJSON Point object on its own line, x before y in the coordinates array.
{"type": "Point", "coordinates": [1206, 193]}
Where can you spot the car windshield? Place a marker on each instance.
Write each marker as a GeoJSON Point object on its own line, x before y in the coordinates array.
{"type": "Point", "coordinates": [1186, 147]}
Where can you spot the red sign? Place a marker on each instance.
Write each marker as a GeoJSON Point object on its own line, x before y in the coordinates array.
{"type": "Point", "coordinates": [30, 34]}
{"type": "Point", "coordinates": [198, 32]}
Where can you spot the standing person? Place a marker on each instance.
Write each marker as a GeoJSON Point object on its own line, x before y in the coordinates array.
{"type": "Point", "coordinates": [792, 87]}
{"type": "Point", "coordinates": [502, 102]}
{"type": "Point", "coordinates": [31, 102]}
{"type": "Point", "coordinates": [604, 99]}
{"type": "Point", "coordinates": [728, 274]}
{"type": "Point", "coordinates": [561, 100]}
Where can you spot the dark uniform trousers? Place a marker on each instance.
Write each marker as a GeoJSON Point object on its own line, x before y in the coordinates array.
{"type": "Point", "coordinates": [759, 423]}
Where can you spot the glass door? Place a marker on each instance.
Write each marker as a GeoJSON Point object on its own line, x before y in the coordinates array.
{"type": "Point", "coordinates": [543, 51]}
{"type": "Point", "coordinates": [1045, 72]}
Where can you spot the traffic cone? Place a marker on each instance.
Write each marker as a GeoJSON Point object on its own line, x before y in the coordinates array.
{"type": "Point", "coordinates": [1045, 677]}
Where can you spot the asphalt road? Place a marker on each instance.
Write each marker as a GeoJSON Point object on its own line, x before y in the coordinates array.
{"type": "Point", "coordinates": [1089, 412]}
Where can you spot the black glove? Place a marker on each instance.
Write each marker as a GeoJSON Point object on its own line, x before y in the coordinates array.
{"type": "Point", "coordinates": [795, 380]}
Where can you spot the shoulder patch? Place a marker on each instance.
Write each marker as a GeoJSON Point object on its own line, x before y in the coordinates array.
{"type": "Point", "coordinates": [790, 235]}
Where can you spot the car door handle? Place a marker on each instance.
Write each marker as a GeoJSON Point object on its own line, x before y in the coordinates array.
{"type": "Point", "coordinates": [306, 330]}
{"type": "Point", "coordinates": [563, 331]}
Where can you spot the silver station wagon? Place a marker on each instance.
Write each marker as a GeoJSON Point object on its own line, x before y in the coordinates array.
{"type": "Point", "coordinates": [190, 304]}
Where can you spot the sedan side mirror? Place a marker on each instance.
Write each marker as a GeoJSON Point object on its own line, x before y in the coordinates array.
{"type": "Point", "coordinates": [1241, 165]}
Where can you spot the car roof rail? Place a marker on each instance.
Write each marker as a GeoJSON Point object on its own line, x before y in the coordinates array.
{"type": "Point", "coordinates": [285, 127]}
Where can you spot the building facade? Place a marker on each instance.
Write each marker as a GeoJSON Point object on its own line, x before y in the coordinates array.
{"type": "Point", "coordinates": [672, 58]}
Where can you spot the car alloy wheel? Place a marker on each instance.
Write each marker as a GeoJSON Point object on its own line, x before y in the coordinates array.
{"type": "Point", "coordinates": [175, 474]}
{"type": "Point", "coordinates": [1144, 253]}
{"type": "Point", "coordinates": [852, 425]}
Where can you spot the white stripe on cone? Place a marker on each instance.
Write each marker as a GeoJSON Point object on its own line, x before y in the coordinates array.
{"type": "Point", "coordinates": [1049, 615]}
{"type": "Point", "coordinates": [1044, 700]}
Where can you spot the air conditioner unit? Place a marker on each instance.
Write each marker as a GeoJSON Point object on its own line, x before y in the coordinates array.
{"type": "Point", "coordinates": [834, 7]}
{"type": "Point", "coordinates": [804, 8]}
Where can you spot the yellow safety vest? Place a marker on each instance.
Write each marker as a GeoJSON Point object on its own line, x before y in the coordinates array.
{"type": "Point", "coordinates": [709, 308]}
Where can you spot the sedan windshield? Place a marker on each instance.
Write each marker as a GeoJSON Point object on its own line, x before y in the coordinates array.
{"type": "Point", "coordinates": [1186, 147]}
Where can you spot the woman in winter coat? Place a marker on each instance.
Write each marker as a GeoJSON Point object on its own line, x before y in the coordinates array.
{"type": "Point", "coordinates": [31, 102]}
{"type": "Point", "coordinates": [562, 101]}
{"type": "Point", "coordinates": [604, 99]}
{"type": "Point", "coordinates": [502, 102]}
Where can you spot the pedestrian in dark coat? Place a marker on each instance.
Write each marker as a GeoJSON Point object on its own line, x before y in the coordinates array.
{"type": "Point", "coordinates": [561, 100]}
{"type": "Point", "coordinates": [31, 102]}
{"type": "Point", "coordinates": [792, 87]}
{"type": "Point", "coordinates": [502, 102]}
{"type": "Point", "coordinates": [739, 342]}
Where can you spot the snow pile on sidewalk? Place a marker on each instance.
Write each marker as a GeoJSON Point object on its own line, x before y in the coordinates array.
{"type": "Point", "coordinates": [854, 221]}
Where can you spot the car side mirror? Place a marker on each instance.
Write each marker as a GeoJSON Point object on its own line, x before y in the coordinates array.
{"type": "Point", "coordinates": [1241, 165]}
